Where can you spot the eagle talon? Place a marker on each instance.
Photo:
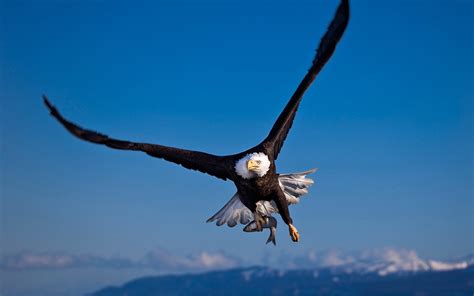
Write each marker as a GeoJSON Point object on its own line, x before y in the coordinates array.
{"type": "Point", "coordinates": [259, 221]}
{"type": "Point", "coordinates": [295, 236]}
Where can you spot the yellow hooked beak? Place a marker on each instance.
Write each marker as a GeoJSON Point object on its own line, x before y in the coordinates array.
{"type": "Point", "coordinates": [252, 165]}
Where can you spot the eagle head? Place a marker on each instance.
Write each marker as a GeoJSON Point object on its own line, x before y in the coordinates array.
{"type": "Point", "coordinates": [252, 165]}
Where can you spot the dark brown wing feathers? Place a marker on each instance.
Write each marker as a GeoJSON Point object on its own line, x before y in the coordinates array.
{"type": "Point", "coordinates": [200, 161]}
{"type": "Point", "coordinates": [274, 141]}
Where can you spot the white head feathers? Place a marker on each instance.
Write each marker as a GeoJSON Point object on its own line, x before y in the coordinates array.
{"type": "Point", "coordinates": [262, 165]}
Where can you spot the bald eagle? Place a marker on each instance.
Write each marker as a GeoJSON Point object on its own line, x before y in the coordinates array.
{"type": "Point", "coordinates": [261, 191]}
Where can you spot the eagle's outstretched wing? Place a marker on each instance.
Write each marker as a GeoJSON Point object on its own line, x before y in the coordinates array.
{"type": "Point", "coordinates": [276, 137]}
{"type": "Point", "coordinates": [200, 161]}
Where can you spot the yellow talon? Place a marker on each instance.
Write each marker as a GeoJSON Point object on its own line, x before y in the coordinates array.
{"type": "Point", "coordinates": [295, 236]}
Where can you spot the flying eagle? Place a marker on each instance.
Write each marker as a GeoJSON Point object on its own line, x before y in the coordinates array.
{"type": "Point", "coordinates": [261, 191]}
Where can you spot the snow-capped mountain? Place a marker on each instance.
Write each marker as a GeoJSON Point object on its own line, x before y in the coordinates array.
{"type": "Point", "coordinates": [323, 282]}
{"type": "Point", "coordinates": [381, 261]}
{"type": "Point", "coordinates": [385, 271]}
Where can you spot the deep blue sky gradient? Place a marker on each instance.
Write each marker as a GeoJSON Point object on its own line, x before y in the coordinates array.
{"type": "Point", "coordinates": [388, 122]}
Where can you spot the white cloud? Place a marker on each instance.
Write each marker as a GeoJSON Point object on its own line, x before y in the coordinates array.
{"type": "Point", "coordinates": [31, 260]}
{"type": "Point", "coordinates": [335, 258]}
{"type": "Point", "coordinates": [22, 261]}
{"type": "Point", "coordinates": [158, 259]}
{"type": "Point", "coordinates": [161, 259]}
{"type": "Point", "coordinates": [209, 260]}
{"type": "Point", "coordinates": [444, 266]}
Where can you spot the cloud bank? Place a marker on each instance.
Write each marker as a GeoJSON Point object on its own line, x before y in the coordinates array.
{"type": "Point", "coordinates": [32, 260]}
{"type": "Point", "coordinates": [383, 261]}
{"type": "Point", "coordinates": [158, 259]}
{"type": "Point", "coordinates": [162, 259]}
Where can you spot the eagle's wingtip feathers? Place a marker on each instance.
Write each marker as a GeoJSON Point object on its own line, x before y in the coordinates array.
{"type": "Point", "coordinates": [47, 102]}
{"type": "Point", "coordinates": [50, 106]}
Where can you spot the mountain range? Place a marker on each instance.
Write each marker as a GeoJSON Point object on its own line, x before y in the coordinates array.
{"type": "Point", "coordinates": [388, 274]}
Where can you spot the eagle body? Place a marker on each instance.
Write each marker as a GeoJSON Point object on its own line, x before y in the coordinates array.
{"type": "Point", "coordinates": [261, 191]}
{"type": "Point", "coordinates": [262, 186]}
{"type": "Point", "coordinates": [255, 189]}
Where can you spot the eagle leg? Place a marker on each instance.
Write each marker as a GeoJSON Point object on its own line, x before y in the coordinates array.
{"type": "Point", "coordinates": [282, 205]}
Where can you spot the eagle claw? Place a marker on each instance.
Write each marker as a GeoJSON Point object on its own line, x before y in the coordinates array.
{"type": "Point", "coordinates": [259, 221]}
{"type": "Point", "coordinates": [295, 236]}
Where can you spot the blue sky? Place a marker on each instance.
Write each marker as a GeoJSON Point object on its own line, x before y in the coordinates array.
{"type": "Point", "coordinates": [388, 122]}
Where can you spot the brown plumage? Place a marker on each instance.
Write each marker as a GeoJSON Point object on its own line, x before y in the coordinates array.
{"type": "Point", "coordinates": [250, 190]}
